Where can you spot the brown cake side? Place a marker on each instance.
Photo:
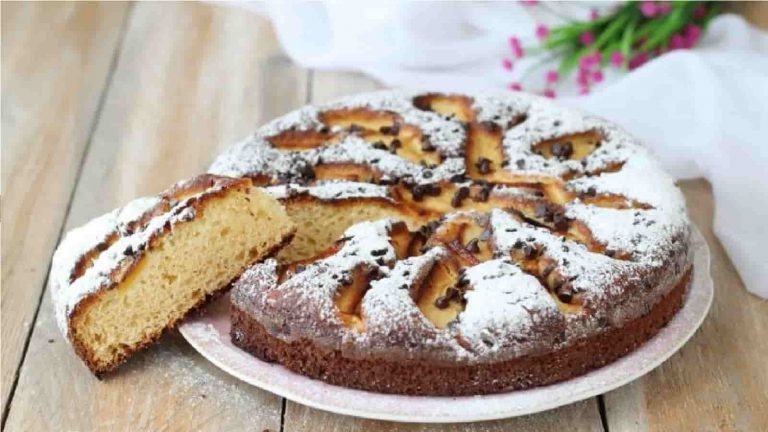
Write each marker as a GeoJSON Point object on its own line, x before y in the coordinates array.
{"type": "Point", "coordinates": [425, 378]}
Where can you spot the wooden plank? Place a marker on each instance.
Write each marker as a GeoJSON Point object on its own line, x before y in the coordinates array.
{"type": "Point", "coordinates": [191, 78]}
{"type": "Point", "coordinates": [581, 416]}
{"type": "Point", "coordinates": [50, 100]}
{"type": "Point", "coordinates": [718, 379]}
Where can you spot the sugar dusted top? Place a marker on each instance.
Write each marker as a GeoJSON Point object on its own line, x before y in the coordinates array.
{"type": "Point", "coordinates": [574, 226]}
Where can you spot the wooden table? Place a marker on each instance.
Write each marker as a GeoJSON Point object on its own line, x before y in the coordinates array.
{"type": "Point", "coordinates": [102, 103]}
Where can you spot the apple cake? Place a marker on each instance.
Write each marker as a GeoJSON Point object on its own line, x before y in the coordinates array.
{"type": "Point", "coordinates": [121, 279]}
{"type": "Point", "coordinates": [456, 245]}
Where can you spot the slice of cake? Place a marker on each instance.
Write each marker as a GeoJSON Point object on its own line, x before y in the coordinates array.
{"type": "Point", "coordinates": [120, 280]}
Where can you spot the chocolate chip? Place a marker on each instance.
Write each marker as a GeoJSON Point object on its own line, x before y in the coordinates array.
{"type": "Point", "coordinates": [610, 253]}
{"type": "Point", "coordinates": [380, 261]}
{"type": "Point", "coordinates": [483, 165]}
{"type": "Point", "coordinates": [427, 146]}
{"type": "Point", "coordinates": [378, 252]}
{"type": "Point", "coordinates": [458, 178]}
{"type": "Point", "coordinates": [128, 250]}
{"type": "Point", "coordinates": [442, 302]}
{"type": "Point", "coordinates": [396, 143]}
{"type": "Point", "coordinates": [518, 244]}
{"type": "Point", "coordinates": [453, 293]}
{"type": "Point", "coordinates": [433, 190]}
{"type": "Point", "coordinates": [355, 128]}
{"type": "Point", "coordinates": [300, 268]}
{"type": "Point", "coordinates": [473, 246]}
{"type": "Point", "coordinates": [484, 193]}
{"type": "Point", "coordinates": [520, 163]}
{"type": "Point", "coordinates": [403, 286]}
{"type": "Point", "coordinates": [591, 191]}
{"type": "Point", "coordinates": [379, 145]}
{"type": "Point", "coordinates": [390, 130]}
{"type": "Point", "coordinates": [562, 150]}
{"type": "Point", "coordinates": [375, 274]}
{"type": "Point", "coordinates": [417, 192]}
{"type": "Point", "coordinates": [560, 222]}
{"type": "Point", "coordinates": [461, 194]}
{"type": "Point", "coordinates": [565, 293]}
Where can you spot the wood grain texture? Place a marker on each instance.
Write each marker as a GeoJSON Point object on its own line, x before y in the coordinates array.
{"type": "Point", "coordinates": [56, 59]}
{"type": "Point", "coordinates": [583, 416]}
{"type": "Point", "coordinates": [718, 380]}
{"type": "Point", "coordinates": [190, 78]}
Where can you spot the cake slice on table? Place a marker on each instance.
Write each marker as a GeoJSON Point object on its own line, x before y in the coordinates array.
{"type": "Point", "coordinates": [123, 278]}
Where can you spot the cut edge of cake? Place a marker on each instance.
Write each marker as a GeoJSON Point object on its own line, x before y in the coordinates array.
{"type": "Point", "coordinates": [122, 279]}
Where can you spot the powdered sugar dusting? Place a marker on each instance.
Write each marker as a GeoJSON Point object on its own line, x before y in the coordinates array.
{"type": "Point", "coordinates": [330, 190]}
{"type": "Point", "coordinates": [508, 312]}
{"type": "Point", "coordinates": [109, 266]}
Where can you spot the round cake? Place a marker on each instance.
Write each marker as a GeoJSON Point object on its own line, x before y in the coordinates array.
{"type": "Point", "coordinates": [455, 245]}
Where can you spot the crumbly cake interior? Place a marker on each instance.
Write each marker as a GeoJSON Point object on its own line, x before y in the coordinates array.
{"type": "Point", "coordinates": [163, 264]}
{"type": "Point", "coordinates": [529, 228]}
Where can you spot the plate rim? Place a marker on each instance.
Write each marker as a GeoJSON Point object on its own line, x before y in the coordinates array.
{"type": "Point", "coordinates": [702, 282]}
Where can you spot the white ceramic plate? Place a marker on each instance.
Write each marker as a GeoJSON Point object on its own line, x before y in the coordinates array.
{"type": "Point", "coordinates": [209, 334]}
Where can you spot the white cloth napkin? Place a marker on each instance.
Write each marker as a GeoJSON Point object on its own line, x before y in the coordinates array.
{"type": "Point", "coordinates": [703, 111]}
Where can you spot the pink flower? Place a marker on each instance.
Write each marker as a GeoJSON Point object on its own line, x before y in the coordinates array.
{"type": "Point", "coordinates": [514, 86]}
{"type": "Point", "coordinates": [700, 11]}
{"type": "Point", "coordinates": [517, 49]}
{"type": "Point", "coordinates": [692, 34]}
{"type": "Point", "coordinates": [594, 14]}
{"type": "Point", "coordinates": [529, 2]}
{"type": "Point", "coordinates": [664, 8]}
{"type": "Point", "coordinates": [597, 76]}
{"type": "Point", "coordinates": [586, 38]}
{"type": "Point", "coordinates": [549, 93]}
{"type": "Point", "coordinates": [649, 8]}
{"type": "Point", "coordinates": [542, 31]}
{"type": "Point", "coordinates": [589, 60]}
{"type": "Point", "coordinates": [617, 58]}
{"type": "Point", "coordinates": [583, 77]}
{"type": "Point", "coordinates": [584, 90]}
{"type": "Point", "coordinates": [638, 60]}
{"type": "Point", "coordinates": [677, 41]}
{"type": "Point", "coordinates": [552, 76]}
{"type": "Point", "coordinates": [506, 64]}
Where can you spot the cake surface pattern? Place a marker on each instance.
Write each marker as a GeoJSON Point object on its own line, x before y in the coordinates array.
{"type": "Point", "coordinates": [508, 229]}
